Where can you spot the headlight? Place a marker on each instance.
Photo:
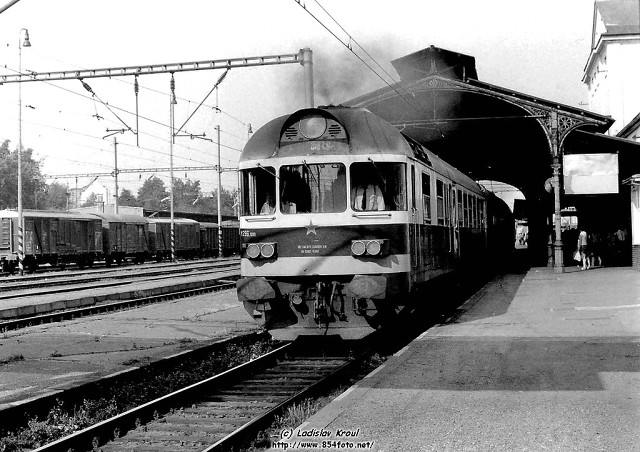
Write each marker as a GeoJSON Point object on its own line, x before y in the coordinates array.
{"type": "Point", "coordinates": [261, 250]}
{"type": "Point", "coordinates": [373, 247]}
{"type": "Point", "coordinates": [358, 247]}
{"type": "Point", "coordinates": [253, 250]}
{"type": "Point", "coordinates": [267, 250]}
{"type": "Point", "coordinates": [312, 126]}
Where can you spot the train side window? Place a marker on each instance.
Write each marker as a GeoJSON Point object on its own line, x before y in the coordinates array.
{"type": "Point", "coordinates": [460, 209]}
{"type": "Point", "coordinates": [474, 204]}
{"type": "Point", "coordinates": [258, 188]}
{"type": "Point", "coordinates": [440, 202]}
{"type": "Point", "coordinates": [378, 186]}
{"type": "Point", "coordinates": [465, 199]}
{"type": "Point", "coordinates": [426, 197]}
{"type": "Point", "coordinates": [313, 188]}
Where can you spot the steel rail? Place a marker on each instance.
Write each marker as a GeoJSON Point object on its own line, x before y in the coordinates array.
{"type": "Point", "coordinates": [129, 420]}
{"type": "Point", "coordinates": [133, 275]}
{"type": "Point", "coordinates": [118, 428]}
{"type": "Point", "coordinates": [221, 284]}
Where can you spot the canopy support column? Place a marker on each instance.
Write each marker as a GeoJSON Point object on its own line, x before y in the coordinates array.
{"type": "Point", "coordinates": [558, 257]}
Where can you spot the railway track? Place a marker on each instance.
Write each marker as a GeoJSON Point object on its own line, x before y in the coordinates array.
{"type": "Point", "coordinates": [220, 413]}
{"type": "Point", "coordinates": [223, 283]}
{"type": "Point", "coordinates": [27, 286]}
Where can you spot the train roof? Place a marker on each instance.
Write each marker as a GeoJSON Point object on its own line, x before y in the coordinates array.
{"type": "Point", "coordinates": [120, 218]}
{"type": "Point", "coordinates": [46, 214]}
{"type": "Point", "coordinates": [365, 134]}
{"type": "Point", "coordinates": [208, 224]}
{"type": "Point", "coordinates": [175, 220]}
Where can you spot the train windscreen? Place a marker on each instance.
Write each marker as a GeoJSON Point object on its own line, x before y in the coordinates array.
{"type": "Point", "coordinates": [313, 188]}
{"type": "Point", "coordinates": [378, 186]}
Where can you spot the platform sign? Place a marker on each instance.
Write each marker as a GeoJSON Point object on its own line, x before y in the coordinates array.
{"type": "Point", "coordinates": [586, 174]}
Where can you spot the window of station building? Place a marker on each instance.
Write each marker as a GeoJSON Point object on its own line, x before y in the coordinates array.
{"type": "Point", "coordinates": [258, 191]}
{"type": "Point", "coordinates": [313, 188]}
{"type": "Point", "coordinates": [426, 197]}
{"type": "Point", "coordinates": [378, 186]}
{"type": "Point", "coordinates": [440, 202]}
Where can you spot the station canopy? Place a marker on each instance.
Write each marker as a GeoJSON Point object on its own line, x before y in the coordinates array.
{"type": "Point", "coordinates": [486, 131]}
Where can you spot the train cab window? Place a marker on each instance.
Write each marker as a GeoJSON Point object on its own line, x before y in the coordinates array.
{"type": "Point", "coordinates": [426, 197]}
{"type": "Point", "coordinates": [313, 188]}
{"type": "Point", "coordinates": [378, 186]}
{"type": "Point", "coordinates": [258, 188]}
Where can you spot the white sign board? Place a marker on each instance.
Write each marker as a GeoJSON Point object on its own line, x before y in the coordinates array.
{"type": "Point", "coordinates": [586, 174]}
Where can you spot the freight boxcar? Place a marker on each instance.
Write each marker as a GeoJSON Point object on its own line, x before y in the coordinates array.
{"type": "Point", "coordinates": [230, 238]}
{"type": "Point", "coordinates": [186, 236]}
{"type": "Point", "coordinates": [124, 236]}
{"type": "Point", "coordinates": [55, 238]}
{"type": "Point", "coordinates": [208, 239]}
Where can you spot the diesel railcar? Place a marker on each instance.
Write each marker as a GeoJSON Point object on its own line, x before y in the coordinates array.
{"type": "Point", "coordinates": [54, 238]}
{"type": "Point", "coordinates": [342, 216]}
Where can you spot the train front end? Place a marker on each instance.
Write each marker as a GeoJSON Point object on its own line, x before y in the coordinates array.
{"type": "Point", "coordinates": [323, 224]}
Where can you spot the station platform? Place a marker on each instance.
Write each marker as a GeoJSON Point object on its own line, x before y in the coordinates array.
{"type": "Point", "coordinates": [540, 361]}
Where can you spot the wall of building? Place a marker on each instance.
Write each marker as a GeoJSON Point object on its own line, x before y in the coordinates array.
{"type": "Point", "coordinates": [614, 89]}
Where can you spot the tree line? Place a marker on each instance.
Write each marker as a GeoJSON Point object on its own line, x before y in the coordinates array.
{"type": "Point", "coordinates": [152, 195]}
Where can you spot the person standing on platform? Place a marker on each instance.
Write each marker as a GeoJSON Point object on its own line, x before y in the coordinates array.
{"type": "Point", "coordinates": [583, 248]}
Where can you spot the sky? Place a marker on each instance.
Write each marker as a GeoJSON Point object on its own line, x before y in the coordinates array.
{"type": "Point", "coordinates": [534, 47]}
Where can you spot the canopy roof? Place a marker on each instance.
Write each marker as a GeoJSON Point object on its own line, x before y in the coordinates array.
{"type": "Point", "coordinates": [487, 131]}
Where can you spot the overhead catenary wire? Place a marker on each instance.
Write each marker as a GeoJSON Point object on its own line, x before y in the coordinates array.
{"type": "Point", "coordinates": [111, 107]}
{"type": "Point", "coordinates": [93, 94]}
{"type": "Point", "coordinates": [124, 80]}
{"type": "Point", "coordinates": [411, 102]}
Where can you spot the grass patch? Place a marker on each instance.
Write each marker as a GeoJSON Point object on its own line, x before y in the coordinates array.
{"type": "Point", "coordinates": [65, 419]}
{"type": "Point", "coordinates": [12, 359]}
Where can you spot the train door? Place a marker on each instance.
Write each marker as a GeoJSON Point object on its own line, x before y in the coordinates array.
{"type": "Point", "coordinates": [453, 221]}
{"type": "Point", "coordinates": [414, 229]}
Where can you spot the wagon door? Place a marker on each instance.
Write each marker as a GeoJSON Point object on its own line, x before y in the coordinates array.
{"type": "Point", "coordinates": [97, 235]}
{"type": "Point", "coordinates": [5, 235]}
{"type": "Point", "coordinates": [29, 245]}
{"type": "Point", "coordinates": [54, 236]}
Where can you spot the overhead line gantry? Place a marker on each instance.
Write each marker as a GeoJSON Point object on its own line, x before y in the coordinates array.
{"type": "Point", "coordinates": [303, 57]}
